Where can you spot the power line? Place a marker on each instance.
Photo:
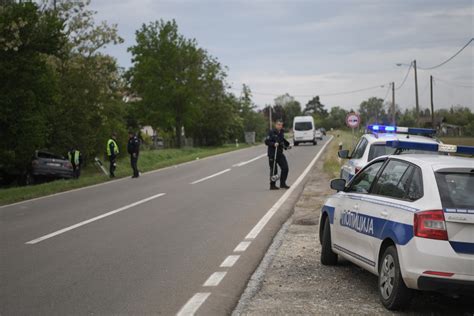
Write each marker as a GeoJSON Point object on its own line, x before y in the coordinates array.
{"type": "Point", "coordinates": [319, 94]}
{"type": "Point", "coordinates": [386, 94]}
{"type": "Point", "coordinates": [450, 58]}
{"type": "Point", "coordinates": [406, 76]}
{"type": "Point", "coordinates": [453, 84]}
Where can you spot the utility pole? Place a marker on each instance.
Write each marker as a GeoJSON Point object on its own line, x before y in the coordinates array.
{"type": "Point", "coordinates": [432, 106]}
{"type": "Point", "coordinates": [270, 116]}
{"type": "Point", "coordinates": [393, 103]}
{"type": "Point", "coordinates": [416, 92]}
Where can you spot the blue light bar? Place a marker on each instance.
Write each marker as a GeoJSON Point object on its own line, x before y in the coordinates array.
{"type": "Point", "coordinates": [399, 129]}
{"type": "Point", "coordinates": [445, 148]}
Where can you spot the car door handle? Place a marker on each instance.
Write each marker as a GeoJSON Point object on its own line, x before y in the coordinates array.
{"type": "Point", "coordinates": [384, 214]}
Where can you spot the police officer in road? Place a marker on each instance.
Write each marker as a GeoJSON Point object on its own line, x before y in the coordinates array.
{"type": "Point", "coordinates": [133, 148]}
{"type": "Point", "coordinates": [276, 142]}
{"type": "Point", "coordinates": [112, 152]}
{"type": "Point", "coordinates": [75, 158]}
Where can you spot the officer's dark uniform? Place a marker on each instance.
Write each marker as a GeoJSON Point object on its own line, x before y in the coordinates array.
{"type": "Point", "coordinates": [133, 149]}
{"type": "Point", "coordinates": [275, 136]}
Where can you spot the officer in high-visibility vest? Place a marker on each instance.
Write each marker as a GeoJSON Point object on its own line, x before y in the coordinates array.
{"type": "Point", "coordinates": [112, 152]}
{"type": "Point", "coordinates": [75, 158]}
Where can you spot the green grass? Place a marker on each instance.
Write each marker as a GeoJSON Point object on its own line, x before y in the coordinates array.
{"type": "Point", "coordinates": [332, 163]}
{"type": "Point", "coordinates": [149, 160]}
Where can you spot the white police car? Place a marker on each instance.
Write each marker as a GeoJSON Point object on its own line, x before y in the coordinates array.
{"type": "Point", "coordinates": [408, 219]}
{"type": "Point", "coordinates": [372, 145]}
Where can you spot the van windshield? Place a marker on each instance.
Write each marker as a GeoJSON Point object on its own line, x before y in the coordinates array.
{"type": "Point", "coordinates": [303, 126]}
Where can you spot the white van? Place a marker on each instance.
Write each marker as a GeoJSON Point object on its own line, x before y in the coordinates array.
{"type": "Point", "coordinates": [304, 130]}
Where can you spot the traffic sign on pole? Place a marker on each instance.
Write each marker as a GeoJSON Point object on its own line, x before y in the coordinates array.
{"type": "Point", "coordinates": [353, 120]}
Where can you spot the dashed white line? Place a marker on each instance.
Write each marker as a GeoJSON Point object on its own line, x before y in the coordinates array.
{"type": "Point", "coordinates": [266, 218]}
{"type": "Point", "coordinates": [230, 261]}
{"type": "Point", "coordinates": [193, 304]}
{"type": "Point", "coordinates": [242, 246]}
{"type": "Point", "coordinates": [243, 163]}
{"type": "Point", "coordinates": [211, 176]}
{"type": "Point", "coordinates": [215, 278]}
{"type": "Point", "coordinates": [62, 231]}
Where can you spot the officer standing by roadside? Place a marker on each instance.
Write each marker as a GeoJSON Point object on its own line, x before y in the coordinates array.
{"type": "Point", "coordinates": [112, 152]}
{"type": "Point", "coordinates": [276, 142]}
{"type": "Point", "coordinates": [133, 148]}
{"type": "Point", "coordinates": [75, 158]}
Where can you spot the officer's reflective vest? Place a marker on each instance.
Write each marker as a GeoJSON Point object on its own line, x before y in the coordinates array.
{"type": "Point", "coordinates": [75, 157]}
{"type": "Point", "coordinates": [116, 150]}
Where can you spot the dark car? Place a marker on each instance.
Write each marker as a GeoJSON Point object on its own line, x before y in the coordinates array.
{"type": "Point", "coordinates": [48, 166]}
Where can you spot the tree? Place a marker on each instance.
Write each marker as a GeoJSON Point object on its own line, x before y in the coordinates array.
{"type": "Point", "coordinates": [372, 111]}
{"type": "Point", "coordinates": [286, 108]}
{"type": "Point", "coordinates": [315, 107]}
{"type": "Point", "coordinates": [167, 73]}
{"type": "Point", "coordinates": [28, 89]}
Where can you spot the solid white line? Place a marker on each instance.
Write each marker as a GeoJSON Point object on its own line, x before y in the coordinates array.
{"type": "Point", "coordinates": [191, 307]}
{"type": "Point", "coordinates": [62, 231]}
{"type": "Point", "coordinates": [243, 163]}
{"type": "Point", "coordinates": [242, 246]}
{"type": "Point", "coordinates": [266, 218]}
{"type": "Point", "coordinates": [211, 176]}
{"type": "Point", "coordinates": [229, 261]}
{"type": "Point", "coordinates": [215, 279]}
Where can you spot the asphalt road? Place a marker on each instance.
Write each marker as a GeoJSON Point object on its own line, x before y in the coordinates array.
{"type": "Point", "coordinates": [150, 245]}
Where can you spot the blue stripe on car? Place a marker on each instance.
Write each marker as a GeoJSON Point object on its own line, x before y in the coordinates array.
{"type": "Point", "coordinates": [462, 247]}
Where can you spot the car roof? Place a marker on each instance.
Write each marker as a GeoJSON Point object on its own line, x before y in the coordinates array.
{"type": "Point", "coordinates": [382, 138]}
{"type": "Point", "coordinates": [438, 162]}
{"type": "Point", "coordinates": [306, 118]}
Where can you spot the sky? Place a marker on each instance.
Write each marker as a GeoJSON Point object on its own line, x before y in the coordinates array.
{"type": "Point", "coordinates": [308, 48]}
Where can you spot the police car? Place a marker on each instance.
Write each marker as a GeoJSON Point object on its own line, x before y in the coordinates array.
{"type": "Point", "coordinates": [409, 219]}
{"type": "Point", "coordinates": [372, 145]}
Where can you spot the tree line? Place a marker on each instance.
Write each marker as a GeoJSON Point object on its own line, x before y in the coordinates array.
{"type": "Point", "coordinates": [59, 90]}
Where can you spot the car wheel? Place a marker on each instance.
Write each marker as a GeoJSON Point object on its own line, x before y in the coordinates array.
{"type": "Point", "coordinates": [296, 143]}
{"type": "Point", "coordinates": [315, 142]}
{"type": "Point", "coordinates": [393, 292]}
{"type": "Point", "coordinates": [328, 257]}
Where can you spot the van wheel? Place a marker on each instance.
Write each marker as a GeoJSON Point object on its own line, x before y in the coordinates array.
{"type": "Point", "coordinates": [393, 292]}
{"type": "Point", "coordinates": [328, 257]}
{"type": "Point", "coordinates": [315, 142]}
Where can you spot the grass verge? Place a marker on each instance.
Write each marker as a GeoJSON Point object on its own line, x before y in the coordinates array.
{"type": "Point", "coordinates": [149, 160]}
{"type": "Point", "coordinates": [332, 164]}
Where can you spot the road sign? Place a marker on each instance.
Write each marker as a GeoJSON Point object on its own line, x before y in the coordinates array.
{"type": "Point", "coordinates": [352, 120]}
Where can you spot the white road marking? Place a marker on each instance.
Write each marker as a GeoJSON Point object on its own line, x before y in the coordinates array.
{"type": "Point", "coordinates": [62, 231]}
{"type": "Point", "coordinates": [242, 246]}
{"type": "Point", "coordinates": [230, 261]}
{"type": "Point", "coordinates": [215, 278]}
{"type": "Point", "coordinates": [243, 163]}
{"type": "Point", "coordinates": [266, 218]}
{"type": "Point", "coordinates": [211, 176]}
{"type": "Point", "coordinates": [193, 304]}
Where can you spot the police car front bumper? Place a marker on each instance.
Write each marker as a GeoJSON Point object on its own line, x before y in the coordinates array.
{"type": "Point", "coordinates": [444, 285]}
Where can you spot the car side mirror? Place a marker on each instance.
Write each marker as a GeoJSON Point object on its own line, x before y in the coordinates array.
{"type": "Point", "coordinates": [338, 184]}
{"type": "Point", "coordinates": [344, 154]}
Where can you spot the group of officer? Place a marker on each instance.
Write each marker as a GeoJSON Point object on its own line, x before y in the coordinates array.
{"type": "Point", "coordinates": [275, 142]}
{"type": "Point", "coordinates": [112, 149]}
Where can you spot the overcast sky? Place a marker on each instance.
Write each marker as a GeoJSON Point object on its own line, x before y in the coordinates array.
{"type": "Point", "coordinates": [311, 48]}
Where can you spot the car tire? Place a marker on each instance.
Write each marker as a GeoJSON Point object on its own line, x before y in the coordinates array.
{"type": "Point", "coordinates": [393, 292]}
{"type": "Point", "coordinates": [315, 142]}
{"type": "Point", "coordinates": [328, 257]}
{"type": "Point", "coordinates": [296, 143]}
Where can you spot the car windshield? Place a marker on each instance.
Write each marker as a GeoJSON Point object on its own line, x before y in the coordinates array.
{"type": "Point", "coordinates": [455, 189]}
{"type": "Point", "coordinates": [377, 150]}
{"type": "Point", "coordinates": [303, 126]}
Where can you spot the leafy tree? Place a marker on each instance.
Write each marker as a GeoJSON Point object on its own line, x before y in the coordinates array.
{"type": "Point", "coordinates": [286, 108]}
{"type": "Point", "coordinates": [372, 111]}
{"type": "Point", "coordinates": [28, 90]}
{"type": "Point", "coordinates": [315, 107]}
{"type": "Point", "coordinates": [167, 73]}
